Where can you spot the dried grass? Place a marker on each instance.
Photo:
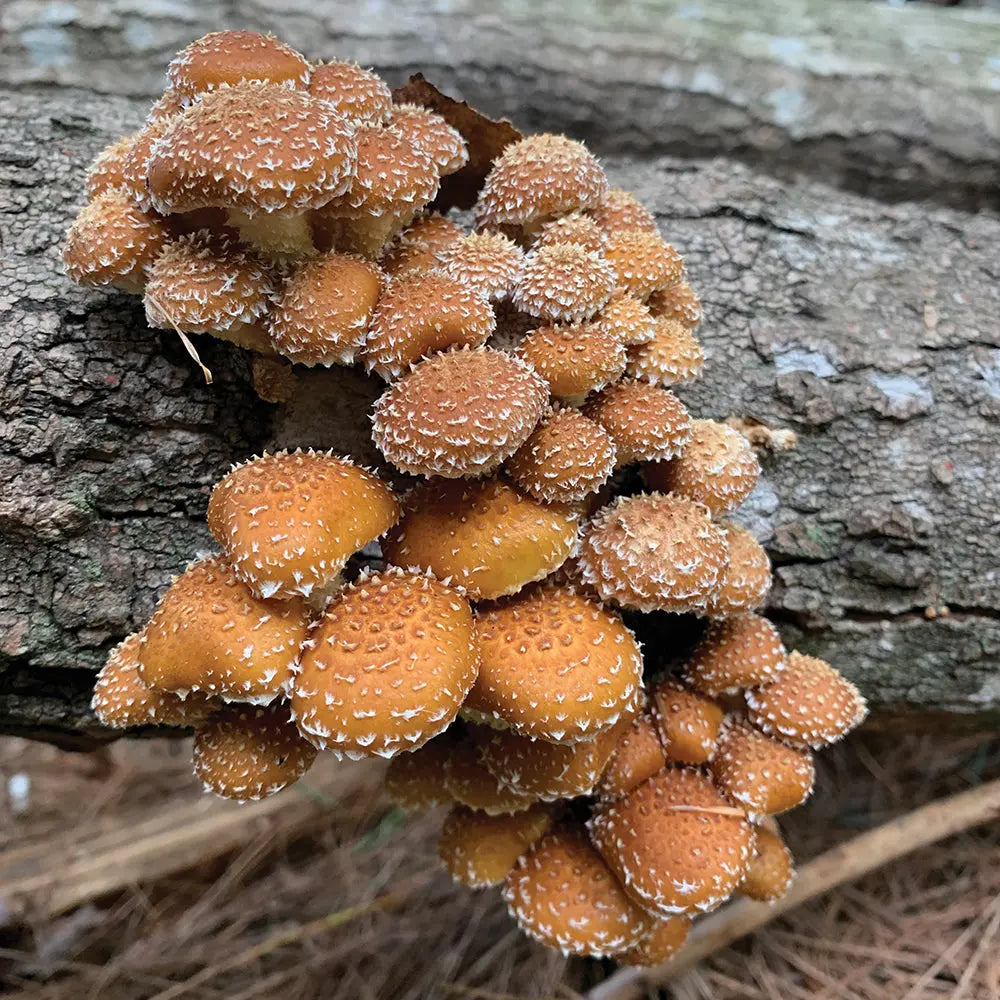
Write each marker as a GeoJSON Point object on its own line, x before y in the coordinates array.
{"type": "Point", "coordinates": [354, 906]}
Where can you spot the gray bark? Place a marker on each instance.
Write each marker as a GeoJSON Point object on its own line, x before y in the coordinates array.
{"type": "Point", "coordinates": [869, 328]}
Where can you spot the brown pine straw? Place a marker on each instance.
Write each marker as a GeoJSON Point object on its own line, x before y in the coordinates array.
{"type": "Point", "coordinates": [185, 340]}
{"type": "Point", "coordinates": [844, 863]}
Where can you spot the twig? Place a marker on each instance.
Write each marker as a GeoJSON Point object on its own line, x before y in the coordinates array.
{"type": "Point", "coordinates": [844, 863]}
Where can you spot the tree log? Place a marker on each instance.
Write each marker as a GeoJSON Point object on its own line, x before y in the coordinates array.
{"type": "Point", "coordinates": [869, 328]}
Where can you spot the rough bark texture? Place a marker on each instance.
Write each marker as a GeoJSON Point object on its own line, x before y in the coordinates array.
{"type": "Point", "coordinates": [869, 328]}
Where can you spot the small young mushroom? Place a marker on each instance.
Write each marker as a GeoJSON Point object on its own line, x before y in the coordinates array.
{"type": "Point", "coordinates": [628, 319]}
{"type": "Point", "coordinates": [488, 262]}
{"type": "Point", "coordinates": [479, 850]}
{"type": "Point", "coordinates": [674, 843]}
{"type": "Point", "coordinates": [642, 262]}
{"type": "Point", "coordinates": [288, 522]}
{"type": "Point", "coordinates": [135, 162]}
{"type": "Point", "coordinates": [653, 552]}
{"type": "Point", "coordinates": [660, 944]}
{"type": "Point", "coordinates": [638, 755]}
{"type": "Point", "coordinates": [670, 357]}
{"type": "Point", "coordinates": [771, 871]}
{"type": "Point", "coordinates": [620, 211]}
{"type": "Point", "coordinates": [387, 666]}
{"type": "Point", "coordinates": [168, 104]}
{"type": "Point", "coordinates": [745, 582]}
{"type": "Point", "coordinates": [572, 228]}
{"type": "Point", "coordinates": [106, 170]}
{"type": "Point", "coordinates": [483, 537]}
{"type": "Point", "coordinates": [739, 652]}
{"type": "Point", "coordinates": [563, 283]}
{"type": "Point", "coordinates": [688, 723]}
{"type": "Point", "coordinates": [573, 360]}
{"type": "Point", "coordinates": [415, 780]}
{"type": "Point", "coordinates": [419, 248]}
{"type": "Point", "coordinates": [246, 753]}
{"type": "Point", "coordinates": [678, 302]}
{"type": "Point", "coordinates": [809, 704]}
{"type": "Point", "coordinates": [429, 132]}
{"type": "Point", "coordinates": [353, 91]}
{"type": "Point", "coordinates": [562, 894]}
{"type": "Point", "coordinates": [472, 784]}
{"type": "Point", "coordinates": [460, 414]}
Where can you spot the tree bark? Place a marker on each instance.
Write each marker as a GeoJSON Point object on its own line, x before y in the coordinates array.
{"type": "Point", "coordinates": [869, 328]}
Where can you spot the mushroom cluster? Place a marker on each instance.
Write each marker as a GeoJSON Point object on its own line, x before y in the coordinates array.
{"type": "Point", "coordinates": [484, 640]}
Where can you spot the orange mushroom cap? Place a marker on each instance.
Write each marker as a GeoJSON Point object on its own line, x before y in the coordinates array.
{"type": "Point", "coordinates": [415, 780]}
{"type": "Point", "coordinates": [246, 753]}
{"type": "Point", "coordinates": [628, 319]}
{"type": "Point", "coordinates": [637, 755]}
{"type": "Point", "coordinates": [354, 92]}
{"type": "Point", "coordinates": [688, 722]}
{"type": "Point", "coordinates": [483, 537]}
{"type": "Point", "coordinates": [734, 653]}
{"type": "Point", "coordinates": [573, 360]}
{"type": "Point", "coordinates": [563, 283]}
{"type": "Point", "coordinates": [429, 132]}
{"type": "Point", "coordinates": [168, 104]}
{"type": "Point", "coordinates": [460, 414]}
{"type": "Point", "coordinates": [771, 871]}
{"type": "Point", "coordinates": [660, 944]}
{"type": "Point", "coordinates": [642, 262]}
{"type": "Point", "coordinates": [472, 784]}
{"type": "Point", "coordinates": [421, 244]}
{"type": "Point", "coordinates": [672, 355]}
{"type": "Point", "coordinates": [573, 228]}
{"type": "Point", "coordinates": [106, 170]}
{"type": "Point", "coordinates": [678, 302]}
{"type": "Point", "coordinates": [620, 211]}
{"type": "Point", "coordinates": [135, 161]}
{"type": "Point", "coordinates": [387, 666]}
{"type": "Point", "coordinates": [488, 262]}
{"type": "Point", "coordinates": [674, 843]}
{"type": "Point", "coordinates": [745, 582]}
{"type": "Point", "coordinates": [288, 522]}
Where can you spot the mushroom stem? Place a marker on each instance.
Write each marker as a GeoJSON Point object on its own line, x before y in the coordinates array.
{"type": "Point", "coordinates": [843, 863]}
{"type": "Point", "coordinates": [277, 235]}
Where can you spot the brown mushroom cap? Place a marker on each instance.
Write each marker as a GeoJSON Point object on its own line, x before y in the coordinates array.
{"type": "Point", "coordinates": [429, 132]}
{"type": "Point", "coordinates": [245, 752]}
{"type": "Point", "coordinates": [472, 784]}
{"type": "Point", "coordinates": [562, 894]}
{"type": "Point", "coordinates": [487, 262]}
{"type": "Point", "coordinates": [106, 170]}
{"type": "Point", "coordinates": [809, 704]}
{"type": "Point", "coordinates": [738, 652]}
{"type": "Point", "coordinates": [567, 458]}
{"type": "Point", "coordinates": [762, 775]}
{"type": "Point", "coordinates": [210, 633]}
{"type": "Point", "coordinates": [688, 722]}
{"type": "Point", "coordinates": [555, 665]}
{"type": "Point", "coordinates": [135, 162]}
{"type": "Point", "coordinates": [717, 468]}
{"type": "Point", "coordinates": [563, 283]}
{"type": "Point", "coordinates": [661, 943]}
{"type": "Point", "coordinates": [123, 700]}
{"type": "Point", "coordinates": [573, 228]}
{"type": "Point", "coordinates": [230, 57]}
{"type": "Point", "coordinates": [479, 850]}
{"type": "Point", "coordinates": [420, 246]}
{"type": "Point", "coordinates": [638, 755]}
{"type": "Point", "coordinates": [483, 537]}
{"type": "Point", "coordinates": [653, 552]}
{"type": "Point", "coordinates": [771, 870]}
{"type": "Point", "coordinates": [674, 843]}
{"type": "Point", "coordinates": [645, 422]}
{"type": "Point", "coordinates": [353, 91]}
{"type": "Point", "coordinates": [673, 355]}
{"type": "Point", "coordinates": [642, 262]}
{"type": "Point", "coordinates": [619, 211]}
{"type": "Point", "coordinates": [168, 104]}
{"type": "Point", "coordinates": [255, 148]}
{"type": "Point", "coordinates": [420, 314]}
{"type": "Point", "coordinates": [288, 522]}
{"type": "Point", "coordinates": [113, 243]}
{"type": "Point", "coordinates": [323, 309]}
{"type": "Point", "coordinates": [678, 302]}
{"type": "Point", "coordinates": [628, 319]}
{"type": "Point", "coordinates": [745, 582]}
{"type": "Point", "coordinates": [573, 360]}
{"type": "Point", "coordinates": [459, 414]}
{"type": "Point", "coordinates": [538, 177]}
{"type": "Point", "coordinates": [415, 780]}
{"type": "Point", "coordinates": [387, 667]}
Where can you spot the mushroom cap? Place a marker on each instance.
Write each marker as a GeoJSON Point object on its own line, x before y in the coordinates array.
{"type": "Point", "coordinates": [620, 211]}
{"type": "Point", "coordinates": [574, 228]}
{"type": "Point", "coordinates": [415, 780]}
{"type": "Point", "coordinates": [207, 283]}
{"type": "Point", "coordinates": [210, 633]}
{"type": "Point", "coordinates": [472, 784]}
{"type": "Point", "coordinates": [538, 177]}
{"type": "Point", "coordinates": [642, 262]}
{"type": "Point", "coordinates": [670, 357]}
{"type": "Point", "coordinates": [387, 666]}
{"type": "Point", "coordinates": [688, 722]}
{"type": "Point", "coordinates": [419, 247]}
{"type": "Point", "coordinates": [653, 552]}
{"type": "Point", "coordinates": [420, 314]}
{"type": "Point", "coordinates": [661, 943]}
{"type": "Point", "coordinates": [483, 537]}
{"type": "Point", "coordinates": [674, 843]}
{"type": "Point", "coordinates": [479, 850]}
{"type": "Point", "coordinates": [252, 147]}
{"type": "Point", "coordinates": [746, 580]}
{"type": "Point", "coordinates": [717, 467]}
{"type": "Point", "coordinates": [123, 700]}
{"type": "Point", "coordinates": [567, 458]}
{"type": "Point", "coordinates": [246, 752]}
{"type": "Point", "coordinates": [761, 774]}
{"type": "Point", "coordinates": [458, 414]}
{"type": "Point", "coordinates": [555, 665]}
{"type": "Point", "coordinates": [487, 262]}
{"type": "Point", "coordinates": [322, 312]}
{"type": "Point", "coordinates": [428, 131]}
{"type": "Point", "coordinates": [135, 162]}
{"type": "Point", "coordinates": [288, 522]}
{"type": "Point", "coordinates": [678, 302]}
{"type": "Point", "coordinates": [809, 704]}
{"type": "Point", "coordinates": [354, 92]}
{"type": "Point", "coordinates": [562, 893]}
{"type": "Point", "coordinates": [168, 104]}
{"type": "Point", "coordinates": [628, 319]}
{"type": "Point", "coordinates": [113, 242]}
{"type": "Point", "coordinates": [638, 755]}
{"type": "Point", "coordinates": [771, 871]}
{"type": "Point", "coordinates": [573, 360]}
{"type": "Point", "coordinates": [739, 652]}
{"type": "Point", "coordinates": [106, 170]}
{"type": "Point", "coordinates": [563, 283]}
{"type": "Point", "coordinates": [229, 57]}
{"type": "Point", "coordinates": [645, 422]}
